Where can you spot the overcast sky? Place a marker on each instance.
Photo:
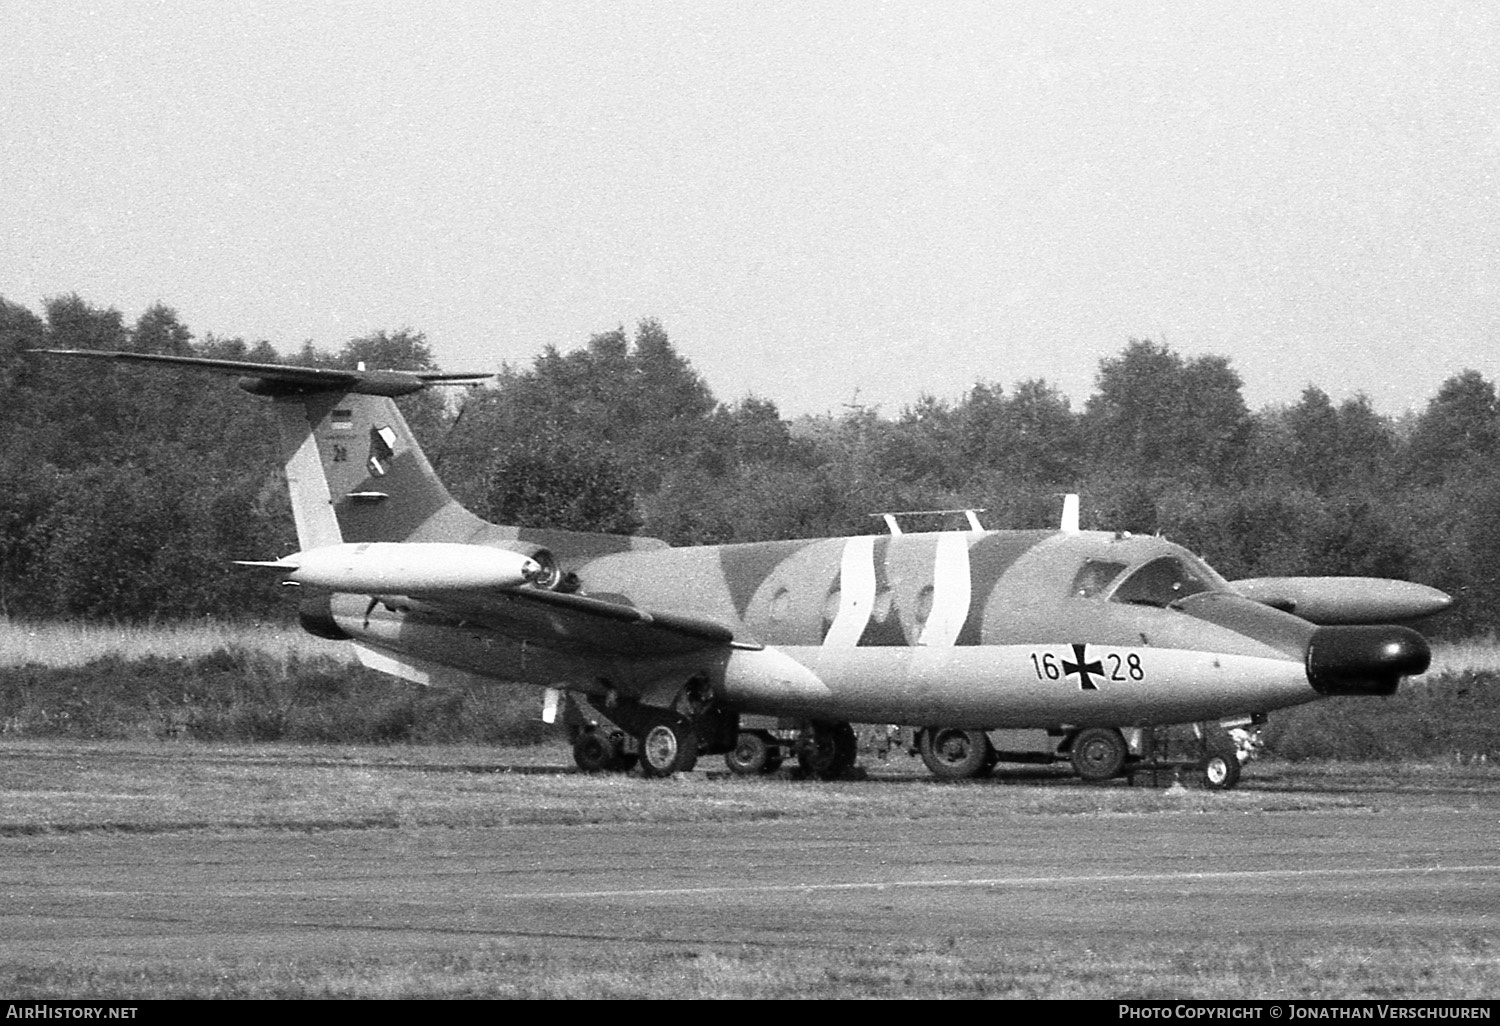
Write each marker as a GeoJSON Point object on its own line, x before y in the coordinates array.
{"type": "Point", "coordinates": [823, 203]}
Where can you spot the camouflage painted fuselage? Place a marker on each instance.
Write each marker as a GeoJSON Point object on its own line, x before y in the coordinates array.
{"type": "Point", "coordinates": [963, 629]}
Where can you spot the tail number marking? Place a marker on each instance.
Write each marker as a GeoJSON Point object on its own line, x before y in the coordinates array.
{"type": "Point", "coordinates": [1113, 667]}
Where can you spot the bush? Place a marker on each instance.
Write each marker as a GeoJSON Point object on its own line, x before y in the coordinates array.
{"type": "Point", "coordinates": [236, 695]}
{"type": "Point", "coordinates": [1450, 716]}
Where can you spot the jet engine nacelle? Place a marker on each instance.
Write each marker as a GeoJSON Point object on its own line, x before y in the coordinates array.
{"type": "Point", "coordinates": [1364, 660]}
{"type": "Point", "coordinates": [407, 568]}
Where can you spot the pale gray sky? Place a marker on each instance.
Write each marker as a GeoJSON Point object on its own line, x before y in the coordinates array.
{"type": "Point", "coordinates": [815, 199]}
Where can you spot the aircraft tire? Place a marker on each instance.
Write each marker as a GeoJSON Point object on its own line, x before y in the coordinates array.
{"type": "Point", "coordinates": [1099, 753]}
{"type": "Point", "coordinates": [954, 754]}
{"type": "Point", "coordinates": [755, 752]}
{"type": "Point", "coordinates": [669, 745]}
{"type": "Point", "coordinates": [1221, 766]}
{"type": "Point", "coordinates": [827, 750]}
{"type": "Point", "coordinates": [594, 750]}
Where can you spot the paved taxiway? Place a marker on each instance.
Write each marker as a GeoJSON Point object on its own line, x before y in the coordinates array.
{"type": "Point", "coordinates": [1098, 878]}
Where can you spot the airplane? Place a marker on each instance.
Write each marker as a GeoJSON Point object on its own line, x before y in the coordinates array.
{"type": "Point", "coordinates": [1093, 636]}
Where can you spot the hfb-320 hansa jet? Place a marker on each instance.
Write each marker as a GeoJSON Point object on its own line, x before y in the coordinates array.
{"type": "Point", "coordinates": [1093, 636]}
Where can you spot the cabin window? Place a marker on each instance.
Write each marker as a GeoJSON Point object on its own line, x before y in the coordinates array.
{"type": "Point", "coordinates": [1094, 577]}
{"type": "Point", "coordinates": [1161, 582]}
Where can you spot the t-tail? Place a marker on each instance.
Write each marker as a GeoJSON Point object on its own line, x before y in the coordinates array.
{"type": "Point", "coordinates": [356, 473]}
{"type": "Point", "coordinates": [354, 469]}
{"type": "Point", "coordinates": [371, 513]}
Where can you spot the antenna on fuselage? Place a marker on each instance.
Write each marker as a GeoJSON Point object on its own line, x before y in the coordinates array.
{"type": "Point", "coordinates": [971, 517]}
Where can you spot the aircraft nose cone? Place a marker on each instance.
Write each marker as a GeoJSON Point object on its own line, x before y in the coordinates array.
{"type": "Point", "coordinates": [1364, 660]}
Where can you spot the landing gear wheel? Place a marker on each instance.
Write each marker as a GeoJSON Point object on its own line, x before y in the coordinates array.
{"type": "Point", "coordinates": [602, 751]}
{"type": "Point", "coordinates": [827, 750]}
{"type": "Point", "coordinates": [1099, 753]}
{"type": "Point", "coordinates": [754, 752]}
{"type": "Point", "coordinates": [592, 751]}
{"type": "Point", "coordinates": [1221, 765]}
{"type": "Point", "coordinates": [668, 746]}
{"type": "Point", "coordinates": [953, 754]}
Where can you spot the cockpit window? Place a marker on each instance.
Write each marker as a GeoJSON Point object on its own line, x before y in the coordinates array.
{"type": "Point", "coordinates": [1094, 577]}
{"type": "Point", "coordinates": [1162, 582]}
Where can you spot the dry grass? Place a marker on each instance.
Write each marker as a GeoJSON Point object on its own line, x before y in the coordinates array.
{"type": "Point", "coordinates": [1475, 654]}
{"type": "Point", "coordinates": [69, 787]}
{"type": "Point", "coordinates": [65, 786]}
{"type": "Point", "coordinates": [75, 643]}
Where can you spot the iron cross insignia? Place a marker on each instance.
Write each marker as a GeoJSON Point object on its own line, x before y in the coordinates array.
{"type": "Point", "coordinates": [1083, 668]}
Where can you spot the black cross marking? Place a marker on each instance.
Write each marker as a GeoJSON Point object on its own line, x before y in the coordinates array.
{"type": "Point", "coordinates": [1083, 669]}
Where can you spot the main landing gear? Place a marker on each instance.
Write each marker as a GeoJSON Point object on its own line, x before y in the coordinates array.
{"type": "Point", "coordinates": [602, 749]}
{"type": "Point", "coordinates": [1099, 753]}
{"type": "Point", "coordinates": [825, 749]}
{"type": "Point", "coordinates": [954, 754]}
{"type": "Point", "coordinates": [662, 741]}
{"type": "Point", "coordinates": [756, 752]}
{"type": "Point", "coordinates": [668, 745]}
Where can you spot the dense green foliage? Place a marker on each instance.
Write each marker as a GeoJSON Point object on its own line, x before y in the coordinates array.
{"type": "Point", "coordinates": [125, 493]}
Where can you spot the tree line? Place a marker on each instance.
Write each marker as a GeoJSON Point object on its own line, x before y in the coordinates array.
{"type": "Point", "coordinates": [125, 493]}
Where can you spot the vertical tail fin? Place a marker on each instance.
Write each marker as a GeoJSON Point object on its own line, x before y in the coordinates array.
{"type": "Point", "coordinates": [357, 474]}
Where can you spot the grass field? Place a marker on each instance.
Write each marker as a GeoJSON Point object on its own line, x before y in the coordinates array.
{"type": "Point", "coordinates": [76, 790]}
{"type": "Point", "coordinates": [78, 787]}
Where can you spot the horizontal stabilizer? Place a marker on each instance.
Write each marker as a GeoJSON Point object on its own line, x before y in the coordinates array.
{"type": "Point", "coordinates": [286, 563]}
{"type": "Point", "coordinates": [276, 379]}
{"type": "Point", "coordinates": [1346, 600]}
